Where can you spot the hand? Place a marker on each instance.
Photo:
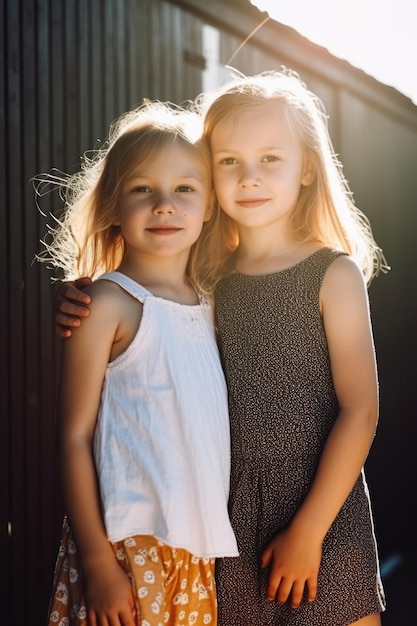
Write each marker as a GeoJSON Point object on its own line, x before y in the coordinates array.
{"type": "Point", "coordinates": [68, 306]}
{"type": "Point", "coordinates": [294, 560]}
{"type": "Point", "coordinates": [109, 598]}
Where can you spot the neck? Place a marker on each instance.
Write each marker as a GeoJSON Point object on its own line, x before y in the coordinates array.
{"type": "Point", "coordinates": [163, 278]}
{"type": "Point", "coordinates": [266, 252]}
{"type": "Point", "coordinates": [258, 244]}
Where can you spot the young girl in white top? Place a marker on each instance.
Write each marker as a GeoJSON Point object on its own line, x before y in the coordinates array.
{"type": "Point", "coordinates": [143, 430]}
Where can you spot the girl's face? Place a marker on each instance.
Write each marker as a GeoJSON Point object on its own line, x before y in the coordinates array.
{"type": "Point", "coordinates": [258, 167]}
{"type": "Point", "coordinates": [163, 203]}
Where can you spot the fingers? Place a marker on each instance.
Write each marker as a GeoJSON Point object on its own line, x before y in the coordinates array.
{"type": "Point", "coordinates": [294, 564]}
{"type": "Point", "coordinates": [282, 590]}
{"type": "Point", "coordinates": [266, 557]}
{"type": "Point", "coordinates": [64, 322]}
{"type": "Point", "coordinates": [279, 589]}
{"type": "Point", "coordinates": [63, 332]}
{"type": "Point", "coordinates": [69, 307]}
{"type": "Point", "coordinates": [72, 290]}
{"type": "Point", "coordinates": [129, 618]}
{"type": "Point", "coordinates": [69, 292]}
{"type": "Point", "coordinates": [124, 617]}
{"type": "Point", "coordinates": [286, 590]}
{"type": "Point", "coordinates": [311, 589]}
{"type": "Point", "coordinates": [83, 282]}
{"type": "Point", "coordinates": [297, 594]}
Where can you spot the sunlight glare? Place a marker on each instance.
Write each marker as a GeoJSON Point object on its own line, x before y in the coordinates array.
{"type": "Point", "coordinates": [377, 36]}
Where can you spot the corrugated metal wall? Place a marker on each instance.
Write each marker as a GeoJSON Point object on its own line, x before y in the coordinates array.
{"type": "Point", "coordinates": [68, 69]}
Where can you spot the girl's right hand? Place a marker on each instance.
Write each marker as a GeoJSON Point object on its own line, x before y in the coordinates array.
{"type": "Point", "coordinates": [293, 558]}
{"type": "Point", "coordinates": [71, 305]}
{"type": "Point", "coordinates": [110, 598]}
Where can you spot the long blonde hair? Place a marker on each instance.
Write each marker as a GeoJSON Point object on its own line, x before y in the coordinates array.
{"type": "Point", "coordinates": [325, 210]}
{"type": "Point", "coordinates": [84, 240]}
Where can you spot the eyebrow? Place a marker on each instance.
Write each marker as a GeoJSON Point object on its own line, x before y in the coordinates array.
{"type": "Point", "coordinates": [233, 151]}
{"type": "Point", "coordinates": [181, 176]}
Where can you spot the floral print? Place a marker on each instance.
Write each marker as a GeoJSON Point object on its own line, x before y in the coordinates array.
{"type": "Point", "coordinates": [172, 587]}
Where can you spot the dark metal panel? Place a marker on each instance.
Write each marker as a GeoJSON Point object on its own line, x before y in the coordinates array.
{"type": "Point", "coordinates": [56, 91]}
{"type": "Point", "coordinates": [192, 55]}
{"type": "Point", "coordinates": [156, 47]}
{"type": "Point", "coordinates": [15, 345]}
{"type": "Point", "coordinates": [142, 72]}
{"type": "Point", "coordinates": [109, 51]}
{"type": "Point", "coordinates": [70, 80]}
{"type": "Point", "coordinates": [31, 323]}
{"type": "Point", "coordinates": [167, 45]}
{"type": "Point", "coordinates": [96, 88]}
{"type": "Point", "coordinates": [5, 323]}
{"type": "Point", "coordinates": [381, 159]}
{"type": "Point", "coordinates": [121, 18]}
{"type": "Point", "coordinates": [179, 93]}
{"type": "Point", "coordinates": [48, 505]}
{"type": "Point", "coordinates": [50, 150]}
{"type": "Point", "coordinates": [85, 110]}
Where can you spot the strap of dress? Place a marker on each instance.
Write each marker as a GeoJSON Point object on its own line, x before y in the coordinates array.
{"type": "Point", "coordinates": [128, 284]}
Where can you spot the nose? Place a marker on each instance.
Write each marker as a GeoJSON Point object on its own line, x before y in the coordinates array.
{"type": "Point", "coordinates": [164, 204]}
{"type": "Point", "coordinates": [249, 176]}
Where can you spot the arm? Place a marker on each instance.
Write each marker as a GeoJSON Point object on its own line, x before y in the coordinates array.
{"type": "Point", "coordinates": [71, 304]}
{"type": "Point", "coordinates": [295, 554]}
{"type": "Point", "coordinates": [85, 356]}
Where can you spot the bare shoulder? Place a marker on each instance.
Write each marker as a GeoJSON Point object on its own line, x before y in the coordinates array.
{"type": "Point", "coordinates": [108, 294]}
{"type": "Point", "coordinates": [113, 306]}
{"type": "Point", "coordinates": [105, 310]}
{"type": "Point", "coordinates": [103, 289]}
{"type": "Point", "coordinates": [344, 287]}
{"type": "Point", "coordinates": [344, 265]}
{"type": "Point", "coordinates": [343, 274]}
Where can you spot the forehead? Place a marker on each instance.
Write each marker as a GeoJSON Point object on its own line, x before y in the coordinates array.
{"type": "Point", "coordinates": [171, 159]}
{"type": "Point", "coordinates": [264, 124]}
{"type": "Point", "coordinates": [172, 148]}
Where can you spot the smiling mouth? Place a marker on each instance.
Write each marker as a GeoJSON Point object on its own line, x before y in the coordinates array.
{"type": "Point", "coordinates": [163, 230]}
{"type": "Point", "coordinates": [254, 202]}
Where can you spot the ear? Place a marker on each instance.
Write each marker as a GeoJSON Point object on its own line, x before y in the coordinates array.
{"type": "Point", "coordinates": [116, 220]}
{"type": "Point", "coordinates": [309, 172]}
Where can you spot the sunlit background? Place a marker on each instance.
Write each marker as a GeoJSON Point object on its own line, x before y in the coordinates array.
{"type": "Point", "coordinates": [377, 36]}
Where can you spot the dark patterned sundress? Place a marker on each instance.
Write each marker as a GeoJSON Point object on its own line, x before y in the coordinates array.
{"type": "Point", "coordinates": [282, 406]}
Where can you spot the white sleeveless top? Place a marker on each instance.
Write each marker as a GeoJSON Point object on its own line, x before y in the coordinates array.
{"type": "Point", "coordinates": [162, 440]}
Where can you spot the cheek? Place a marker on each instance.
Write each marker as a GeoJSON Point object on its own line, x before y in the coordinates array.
{"type": "Point", "coordinates": [221, 182]}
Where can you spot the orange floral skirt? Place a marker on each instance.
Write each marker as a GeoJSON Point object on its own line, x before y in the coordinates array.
{"type": "Point", "coordinates": [171, 586]}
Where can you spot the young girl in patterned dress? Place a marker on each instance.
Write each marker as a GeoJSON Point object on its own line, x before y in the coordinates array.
{"type": "Point", "coordinates": [295, 256]}
{"type": "Point", "coordinates": [143, 429]}
{"type": "Point", "coordinates": [296, 342]}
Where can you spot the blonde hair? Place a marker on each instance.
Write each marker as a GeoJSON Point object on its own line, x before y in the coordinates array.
{"type": "Point", "coordinates": [85, 241]}
{"type": "Point", "coordinates": [325, 210]}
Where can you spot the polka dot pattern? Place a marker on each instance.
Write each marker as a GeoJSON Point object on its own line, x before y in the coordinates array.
{"type": "Point", "coordinates": [282, 406]}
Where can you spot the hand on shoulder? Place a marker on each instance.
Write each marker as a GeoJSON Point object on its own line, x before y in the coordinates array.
{"type": "Point", "coordinates": [71, 305]}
